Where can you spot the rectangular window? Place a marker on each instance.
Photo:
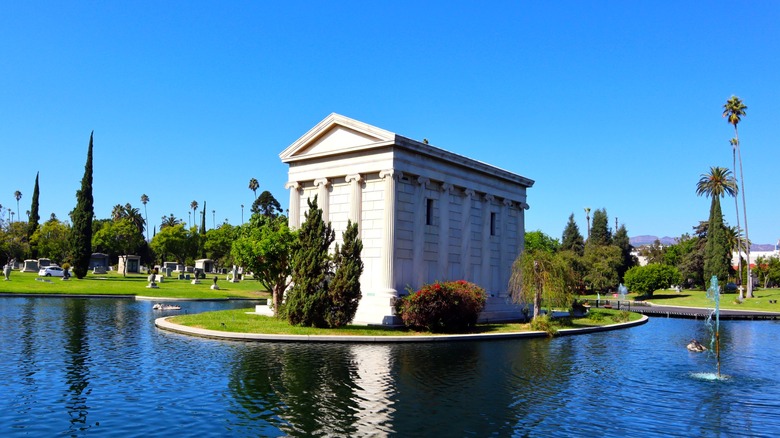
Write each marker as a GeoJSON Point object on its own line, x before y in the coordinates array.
{"type": "Point", "coordinates": [492, 224]}
{"type": "Point", "coordinates": [429, 211]}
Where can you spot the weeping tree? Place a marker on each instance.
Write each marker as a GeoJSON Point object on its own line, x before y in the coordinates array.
{"type": "Point", "coordinates": [541, 277]}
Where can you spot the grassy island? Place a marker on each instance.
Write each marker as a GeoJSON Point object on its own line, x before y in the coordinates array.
{"type": "Point", "coordinates": [239, 321]}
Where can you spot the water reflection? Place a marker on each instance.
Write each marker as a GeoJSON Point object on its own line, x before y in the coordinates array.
{"type": "Point", "coordinates": [76, 363]}
{"type": "Point", "coordinates": [77, 367]}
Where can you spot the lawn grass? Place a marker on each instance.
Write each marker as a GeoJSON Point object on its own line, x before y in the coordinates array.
{"type": "Point", "coordinates": [698, 298]}
{"type": "Point", "coordinates": [114, 283]}
{"type": "Point", "coordinates": [239, 321]}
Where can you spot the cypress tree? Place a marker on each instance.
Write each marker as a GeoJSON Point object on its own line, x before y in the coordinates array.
{"type": "Point", "coordinates": [572, 240]}
{"type": "Point", "coordinates": [32, 224]}
{"type": "Point", "coordinates": [344, 291]}
{"type": "Point", "coordinates": [203, 219]}
{"type": "Point", "coordinates": [81, 232]}
{"type": "Point", "coordinates": [717, 256]}
{"type": "Point", "coordinates": [307, 300]}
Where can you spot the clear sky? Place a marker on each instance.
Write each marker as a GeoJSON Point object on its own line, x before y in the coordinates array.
{"type": "Point", "coordinates": [604, 104]}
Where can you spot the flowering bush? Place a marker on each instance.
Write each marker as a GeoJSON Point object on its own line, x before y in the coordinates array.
{"type": "Point", "coordinates": [452, 306]}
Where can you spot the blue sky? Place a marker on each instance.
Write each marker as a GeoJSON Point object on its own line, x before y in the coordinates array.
{"type": "Point", "coordinates": [612, 105]}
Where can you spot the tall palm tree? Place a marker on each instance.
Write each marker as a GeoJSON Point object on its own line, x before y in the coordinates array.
{"type": "Point", "coordinates": [733, 143]}
{"type": "Point", "coordinates": [18, 196]}
{"type": "Point", "coordinates": [194, 207]}
{"type": "Point", "coordinates": [587, 217]}
{"type": "Point", "coordinates": [144, 200]}
{"type": "Point", "coordinates": [253, 186]}
{"type": "Point", "coordinates": [716, 184]}
{"type": "Point", "coordinates": [733, 111]}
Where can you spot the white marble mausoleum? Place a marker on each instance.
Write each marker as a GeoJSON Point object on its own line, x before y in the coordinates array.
{"type": "Point", "coordinates": [424, 213]}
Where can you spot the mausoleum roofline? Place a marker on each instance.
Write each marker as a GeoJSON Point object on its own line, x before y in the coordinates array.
{"type": "Point", "coordinates": [373, 137]}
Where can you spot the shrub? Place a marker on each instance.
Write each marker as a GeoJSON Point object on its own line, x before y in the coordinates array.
{"type": "Point", "coordinates": [622, 316]}
{"type": "Point", "coordinates": [543, 323]}
{"type": "Point", "coordinates": [595, 315]}
{"type": "Point", "coordinates": [443, 307]}
{"type": "Point", "coordinates": [645, 280]}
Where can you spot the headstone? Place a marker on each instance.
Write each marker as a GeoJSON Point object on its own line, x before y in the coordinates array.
{"type": "Point", "coordinates": [99, 270]}
{"type": "Point", "coordinates": [214, 286]}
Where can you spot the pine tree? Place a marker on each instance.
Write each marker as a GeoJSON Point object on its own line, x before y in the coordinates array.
{"type": "Point", "coordinates": [599, 232]}
{"type": "Point", "coordinates": [622, 241]}
{"type": "Point", "coordinates": [344, 291]}
{"type": "Point", "coordinates": [81, 232]}
{"type": "Point", "coordinates": [572, 239]}
{"type": "Point", "coordinates": [32, 223]}
{"type": "Point", "coordinates": [307, 301]}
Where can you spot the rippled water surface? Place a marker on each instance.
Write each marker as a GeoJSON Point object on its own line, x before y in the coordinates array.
{"type": "Point", "coordinates": [79, 367]}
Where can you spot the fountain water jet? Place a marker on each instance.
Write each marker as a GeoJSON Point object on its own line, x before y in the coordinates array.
{"type": "Point", "coordinates": [622, 291]}
{"type": "Point", "coordinates": [713, 293]}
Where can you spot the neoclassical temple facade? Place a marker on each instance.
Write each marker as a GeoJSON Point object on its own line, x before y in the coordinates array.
{"type": "Point", "coordinates": [424, 213]}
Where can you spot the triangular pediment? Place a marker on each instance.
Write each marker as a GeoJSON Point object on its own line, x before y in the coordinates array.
{"type": "Point", "coordinates": [334, 135]}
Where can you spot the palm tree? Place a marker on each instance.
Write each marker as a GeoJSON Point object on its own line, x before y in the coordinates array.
{"type": "Point", "coordinates": [253, 186]}
{"type": "Point", "coordinates": [194, 207]}
{"type": "Point", "coordinates": [733, 111]}
{"type": "Point", "coordinates": [169, 221]}
{"type": "Point", "coordinates": [716, 184]}
{"type": "Point", "coordinates": [587, 217]}
{"type": "Point", "coordinates": [118, 212]}
{"type": "Point", "coordinates": [18, 196]}
{"type": "Point", "coordinates": [134, 215]}
{"type": "Point", "coordinates": [739, 242]}
{"type": "Point", "coordinates": [144, 200]}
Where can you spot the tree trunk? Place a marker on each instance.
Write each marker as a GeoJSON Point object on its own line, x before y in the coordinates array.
{"type": "Point", "coordinates": [736, 207]}
{"type": "Point", "coordinates": [744, 212]}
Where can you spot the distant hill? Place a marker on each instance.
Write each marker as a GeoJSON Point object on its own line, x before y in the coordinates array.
{"type": "Point", "coordinates": [638, 241]}
{"type": "Point", "coordinates": [648, 240]}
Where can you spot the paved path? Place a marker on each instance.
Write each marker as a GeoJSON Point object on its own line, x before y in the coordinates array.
{"type": "Point", "coordinates": [686, 312]}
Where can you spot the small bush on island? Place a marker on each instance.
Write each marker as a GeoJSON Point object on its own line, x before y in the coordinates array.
{"type": "Point", "coordinates": [443, 307]}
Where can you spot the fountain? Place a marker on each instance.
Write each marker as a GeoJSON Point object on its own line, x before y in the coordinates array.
{"type": "Point", "coordinates": [622, 291]}
{"type": "Point", "coordinates": [713, 320]}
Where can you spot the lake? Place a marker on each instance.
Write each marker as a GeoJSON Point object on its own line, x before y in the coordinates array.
{"type": "Point", "coordinates": [80, 367]}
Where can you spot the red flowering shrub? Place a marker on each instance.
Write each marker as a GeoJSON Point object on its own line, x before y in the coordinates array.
{"type": "Point", "coordinates": [452, 306]}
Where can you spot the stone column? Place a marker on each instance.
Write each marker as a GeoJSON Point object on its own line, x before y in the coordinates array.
{"type": "Point", "coordinates": [387, 273]}
{"type": "Point", "coordinates": [444, 231]}
{"type": "Point", "coordinates": [418, 236]}
{"type": "Point", "coordinates": [294, 221]}
{"type": "Point", "coordinates": [323, 197]}
{"type": "Point", "coordinates": [355, 200]}
{"type": "Point", "coordinates": [486, 279]}
{"type": "Point", "coordinates": [505, 254]}
{"type": "Point", "coordinates": [522, 206]}
{"type": "Point", "coordinates": [465, 249]}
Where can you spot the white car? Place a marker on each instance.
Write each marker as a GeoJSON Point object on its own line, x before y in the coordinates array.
{"type": "Point", "coordinates": [51, 271]}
